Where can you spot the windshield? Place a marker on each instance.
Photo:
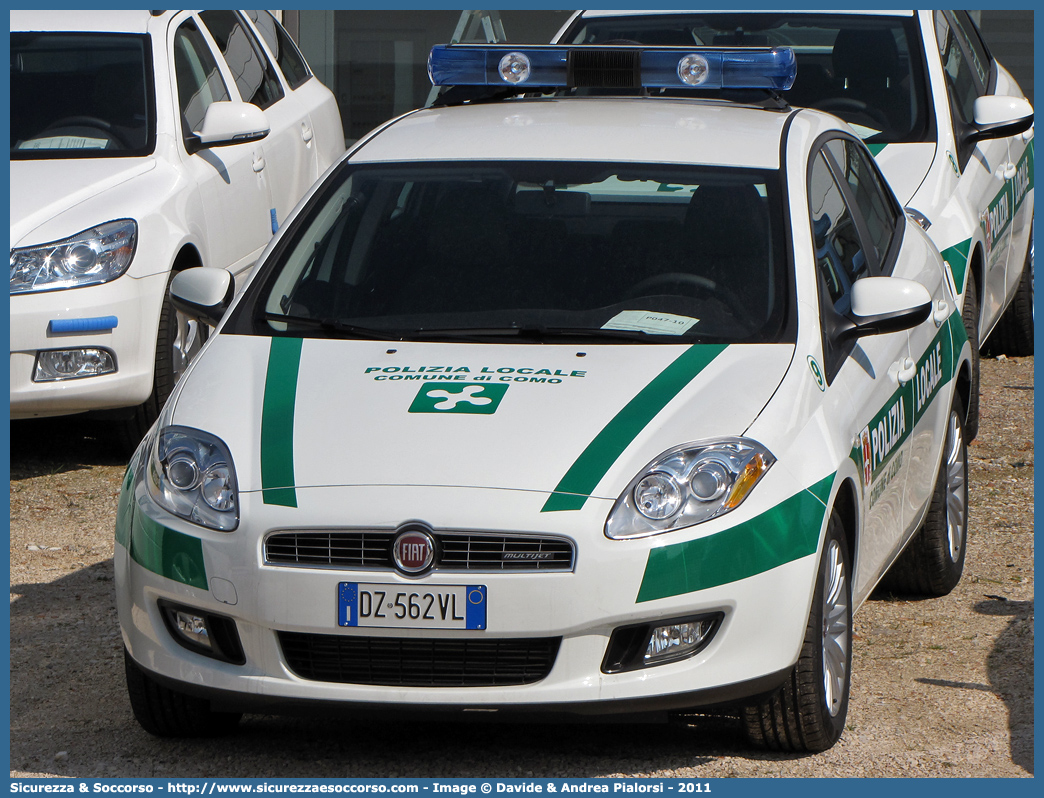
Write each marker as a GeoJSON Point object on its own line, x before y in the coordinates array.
{"type": "Point", "coordinates": [79, 95]}
{"type": "Point", "coordinates": [535, 250]}
{"type": "Point", "coordinates": [867, 70]}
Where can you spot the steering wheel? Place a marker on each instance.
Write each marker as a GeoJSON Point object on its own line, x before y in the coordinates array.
{"type": "Point", "coordinates": [842, 106]}
{"type": "Point", "coordinates": [693, 283]}
{"type": "Point", "coordinates": [86, 121]}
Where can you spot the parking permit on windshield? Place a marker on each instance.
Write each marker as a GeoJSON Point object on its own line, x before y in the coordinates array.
{"type": "Point", "coordinates": [654, 323]}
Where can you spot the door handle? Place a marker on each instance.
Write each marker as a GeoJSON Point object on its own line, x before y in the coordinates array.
{"type": "Point", "coordinates": [258, 163]}
{"type": "Point", "coordinates": [941, 313]}
{"type": "Point", "coordinates": [906, 371]}
{"type": "Point", "coordinates": [306, 132]}
{"type": "Point", "coordinates": [1007, 171]}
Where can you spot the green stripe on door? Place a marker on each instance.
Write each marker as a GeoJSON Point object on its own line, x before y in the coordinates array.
{"type": "Point", "coordinates": [575, 487]}
{"type": "Point", "coordinates": [168, 553]}
{"type": "Point", "coordinates": [277, 422]}
{"type": "Point", "coordinates": [956, 258]}
{"type": "Point", "coordinates": [787, 532]}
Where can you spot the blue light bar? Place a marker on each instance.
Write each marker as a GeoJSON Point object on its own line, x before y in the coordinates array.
{"type": "Point", "coordinates": [612, 66]}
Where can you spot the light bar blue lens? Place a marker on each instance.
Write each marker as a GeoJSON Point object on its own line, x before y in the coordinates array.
{"type": "Point", "coordinates": [727, 68]}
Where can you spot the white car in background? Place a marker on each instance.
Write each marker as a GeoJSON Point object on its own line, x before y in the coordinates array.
{"type": "Point", "coordinates": [143, 143]}
{"type": "Point", "coordinates": [947, 123]}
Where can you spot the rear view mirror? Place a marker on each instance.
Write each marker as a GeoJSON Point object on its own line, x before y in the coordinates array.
{"type": "Point", "coordinates": [885, 305]}
{"type": "Point", "coordinates": [229, 122]}
{"type": "Point", "coordinates": [997, 117]}
{"type": "Point", "coordinates": [203, 293]}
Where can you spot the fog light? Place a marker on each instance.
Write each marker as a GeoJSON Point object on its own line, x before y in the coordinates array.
{"type": "Point", "coordinates": [203, 632]}
{"type": "Point", "coordinates": [192, 628]}
{"type": "Point", "coordinates": [676, 640]}
{"type": "Point", "coordinates": [646, 644]}
{"type": "Point", "coordinates": [73, 364]}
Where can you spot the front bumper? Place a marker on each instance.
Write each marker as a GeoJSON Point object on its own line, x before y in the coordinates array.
{"type": "Point", "coordinates": [134, 302]}
{"type": "Point", "coordinates": [763, 625]}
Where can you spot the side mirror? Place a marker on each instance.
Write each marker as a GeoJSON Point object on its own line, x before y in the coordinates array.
{"type": "Point", "coordinates": [885, 305]}
{"type": "Point", "coordinates": [229, 122]}
{"type": "Point", "coordinates": [999, 117]}
{"type": "Point", "coordinates": [203, 293]}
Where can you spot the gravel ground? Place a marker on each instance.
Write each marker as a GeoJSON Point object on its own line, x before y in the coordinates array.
{"type": "Point", "coordinates": [941, 687]}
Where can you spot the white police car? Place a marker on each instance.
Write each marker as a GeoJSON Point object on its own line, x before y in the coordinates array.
{"type": "Point", "coordinates": [143, 143]}
{"type": "Point", "coordinates": [947, 124]}
{"type": "Point", "coordinates": [556, 403]}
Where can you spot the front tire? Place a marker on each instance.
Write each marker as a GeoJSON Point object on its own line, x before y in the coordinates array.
{"type": "Point", "coordinates": [932, 563]}
{"type": "Point", "coordinates": [166, 713]}
{"type": "Point", "coordinates": [808, 712]}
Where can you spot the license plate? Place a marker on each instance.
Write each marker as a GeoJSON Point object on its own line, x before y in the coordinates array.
{"type": "Point", "coordinates": [399, 607]}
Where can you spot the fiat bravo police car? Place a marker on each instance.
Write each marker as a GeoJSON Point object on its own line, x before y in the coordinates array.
{"type": "Point", "coordinates": [947, 123]}
{"type": "Point", "coordinates": [578, 393]}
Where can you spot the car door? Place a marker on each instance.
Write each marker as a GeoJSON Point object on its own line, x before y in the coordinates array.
{"type": "Point", "coordinates": [984, 167]}
{"type": "Point", "coordinates": [1018, 167]}
{"type": "Point", "coordinates": [289, 157]}
{"type": "Point", "coordinates": [233, 190]}
{"type": "Point", "coordinates": [315, 100]}
{"type": "Point", "coordinates": [867, 372]}
{"type": "Point", "coordinates": [930, 343]}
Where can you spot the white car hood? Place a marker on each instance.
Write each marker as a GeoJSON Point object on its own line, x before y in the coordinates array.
{"type": "Point", "coordinates": [44, 190]}
{"type": "Point", "coordinates": [905, 166]}
{"type": "Point", "coordinates": [521, 417]}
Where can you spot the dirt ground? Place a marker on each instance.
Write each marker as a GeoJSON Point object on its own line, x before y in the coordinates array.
{"type": "Point", "coordinates": [941, 687]}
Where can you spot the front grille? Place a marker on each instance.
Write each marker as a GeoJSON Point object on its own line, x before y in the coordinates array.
{"type": "Point", "coordinates": [455, 550]}
{"type": "Point", "coordinates": [418, 662]}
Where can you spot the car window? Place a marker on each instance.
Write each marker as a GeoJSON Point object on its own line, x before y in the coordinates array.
{"type": "Point", "coordinates": [840, 256]}
{"type": "Point", "coordinates": [839, 252]}
{"type": "Point", "coordinates": [289, 58]}
{"type": "Point", "coordinates": [964, 29]}
{"type": "Point", "coordinates": [869, 70]}
{"type": "Point", "coordinates": [509, 246]}
{"type": "Point", "coordinates": [81, 95]}
{"type": "Point", "coordinates": [962, 78]}
{"type": "Point", "coordinates": [255, 77]}
{"type": "Point", "coordinates": [877, 209]}
{"type": "Point", "coordinates": [199, 81]}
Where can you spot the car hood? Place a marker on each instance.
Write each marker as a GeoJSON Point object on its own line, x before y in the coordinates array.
{"type": "Point", "coordinates": [905, 166]}
{"type": "Point", "coordinates": [36, 204]}
{"type": "Point", "coordinates": [584, 419]}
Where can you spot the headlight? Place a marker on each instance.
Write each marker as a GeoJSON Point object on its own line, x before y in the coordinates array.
{"type": "Point", "coordinates": [191, 475]}
{"type": "Point", "coordinates": [97, 255]}
{"type": "Point", "coordinates": [688, 485]}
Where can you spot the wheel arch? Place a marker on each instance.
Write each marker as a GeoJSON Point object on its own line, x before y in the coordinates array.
{"type": "Point", "coordinates": [846, 507]}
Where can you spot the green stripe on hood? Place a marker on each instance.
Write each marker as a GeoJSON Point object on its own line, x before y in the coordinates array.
{"type": "Point", "coordinates": [277, 422]}
{"type": "Point", "coordinates": [782, 534]}
{"type": "Point", "coordinates": [582, 477]}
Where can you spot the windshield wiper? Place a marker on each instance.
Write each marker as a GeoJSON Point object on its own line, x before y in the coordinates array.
{"type": "Point", "coordinates": [334, 326]}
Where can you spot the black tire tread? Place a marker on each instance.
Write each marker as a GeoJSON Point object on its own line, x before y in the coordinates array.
{"type": "Point", "coordinates": [791, 718]}
{"type": "Point", "coordinates": [165, 713]}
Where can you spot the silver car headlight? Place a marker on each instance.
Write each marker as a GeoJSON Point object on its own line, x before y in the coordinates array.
{"type": "Point", "coordinates": [688, 485]}
{"type": "Point", "coordinates": [94, 256]}
{"type": "Point", "coordinates": [191, 474]}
